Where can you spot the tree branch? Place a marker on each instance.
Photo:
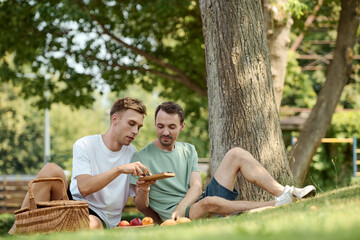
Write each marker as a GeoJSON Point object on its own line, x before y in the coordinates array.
{"type": "Point", "coordinates": [181, 78]}
{"type": "Point", "coordinates": [131, 68]}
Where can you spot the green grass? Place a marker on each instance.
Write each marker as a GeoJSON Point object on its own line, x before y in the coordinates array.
{"type": "Point", "coordinates": [330, 215]}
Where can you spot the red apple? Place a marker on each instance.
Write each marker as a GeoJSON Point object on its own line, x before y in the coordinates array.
{"type": "Point", "coordinates": [123, 223]}
{"type": "Point", "coordinates": [147, 221]}
{"type": "Point", "coordinates": [136, 222]}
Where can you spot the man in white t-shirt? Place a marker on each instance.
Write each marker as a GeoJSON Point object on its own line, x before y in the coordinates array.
{"type": "Point", "coordinates": [101, 167]}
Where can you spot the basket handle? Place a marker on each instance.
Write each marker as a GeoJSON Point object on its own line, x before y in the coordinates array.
{"type": "Point", "coordinates": [32, 203]}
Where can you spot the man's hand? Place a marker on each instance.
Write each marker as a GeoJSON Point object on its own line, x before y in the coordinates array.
{"type": "Point", "coordinates": [136, 169]}
{"type": "Point", "coordinates": [144, 185]}
{"type": "Point", "coordinates": [178, 212]}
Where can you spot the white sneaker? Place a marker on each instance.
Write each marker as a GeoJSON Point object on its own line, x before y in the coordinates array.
{"type": "Point", "coordinates": [286, 197]}
{"type": "Point", "coordinates": [308, 191]}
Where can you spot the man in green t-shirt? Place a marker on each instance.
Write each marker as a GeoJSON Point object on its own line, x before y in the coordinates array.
{"type": "Point", "coordinates": [182, 195]}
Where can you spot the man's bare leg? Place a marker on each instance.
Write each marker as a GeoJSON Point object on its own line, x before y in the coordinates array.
{"type": "Point", "coordinates": [239, 160]}
{"type": "Point", "coordinates": [45, 191]}
{"type": "Point", "coordinates": [95, 222]}
{"type": "Point", "coordinates": [222, 206]}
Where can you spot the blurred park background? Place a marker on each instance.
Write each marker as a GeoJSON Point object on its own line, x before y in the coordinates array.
{"type": "Point", "coordinates": [52, 56]}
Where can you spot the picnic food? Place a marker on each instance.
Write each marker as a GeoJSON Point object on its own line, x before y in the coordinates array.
{"type": "Point", "coordinates": [136, 222]}
{"type": "Point", "coordinates": [147, 221]}
{"type": "Point", "coordinates": [157, 176]}
{"type": "Point", "coordinates": [123, 223]}
{"type": "Point", "coordinates": [183, 220]}
{"type": "Point", "coordinates": [168, 222]}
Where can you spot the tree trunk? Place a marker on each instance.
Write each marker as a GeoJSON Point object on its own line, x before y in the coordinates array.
{"type": "Point", "coordinates": [338, 74]}
{"type": "Point", "coordinates": [278, 25]}
{"type": "Point", "coordinates": [242, 109]}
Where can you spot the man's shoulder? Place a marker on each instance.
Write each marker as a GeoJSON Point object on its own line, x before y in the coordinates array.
{"type": "Point", "coordinates": [146, 149]}
{"type": "Point", "coordinates": [87, 140]}
{"type": "Point", "coordinates": [131, 147]}
{"type": "Point", "coordinates": [185, 145]}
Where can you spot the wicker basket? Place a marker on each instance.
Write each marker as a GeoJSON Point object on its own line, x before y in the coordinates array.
{"type": "Point", "coordinates": [52, 216]}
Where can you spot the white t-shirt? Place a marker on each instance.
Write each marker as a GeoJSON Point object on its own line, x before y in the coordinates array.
{"type": "Point", "coordinates": [91, 156]}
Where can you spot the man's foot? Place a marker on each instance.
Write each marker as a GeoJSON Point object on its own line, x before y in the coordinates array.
{"type": "Point", "coordinates": [308, 191]}
{"type": "Point", "coordinates": [286, 197]}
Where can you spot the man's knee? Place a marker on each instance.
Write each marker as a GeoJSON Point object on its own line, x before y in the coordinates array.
{"type": "Point", "coordinates": [51, 170]}
{"type": "Point", "coordinates": [210, 204]}
{"type": "Point", "coordinates": [95, 222]}
{"type": "Point", "coordinates": [238, 152]}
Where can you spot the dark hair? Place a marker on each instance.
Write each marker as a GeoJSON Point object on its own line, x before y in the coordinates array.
{"type": "Point", "coordinates": [126, 103]}
{"type": "Point", "coordinates": [171, 107]}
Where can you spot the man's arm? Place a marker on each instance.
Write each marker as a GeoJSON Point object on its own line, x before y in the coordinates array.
{"type": "Point", "coordinates": [191, 196]}
{"type": "Point", "coordinates": [88, 184]}
{"type": "Point", "coordinates": [141, 200]}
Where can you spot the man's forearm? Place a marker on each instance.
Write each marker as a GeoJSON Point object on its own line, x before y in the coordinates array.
{"type": "Point", "coordinates": [142, 204]}
{"type": "Point", "coordinates": [141, 199]}
{"type": "Point", "coordinates": [191, 196]}
{"type": "Point", "coordinates": [88, 184]}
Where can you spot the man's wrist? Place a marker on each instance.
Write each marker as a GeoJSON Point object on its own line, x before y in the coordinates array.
{"type": "Point", "coordinates": [143, 191]}
{"type": "Point", "coordinates": [119, 170]}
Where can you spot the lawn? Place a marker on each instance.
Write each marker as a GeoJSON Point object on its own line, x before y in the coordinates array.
{"type": "Point", "coordinates": [330, 215]}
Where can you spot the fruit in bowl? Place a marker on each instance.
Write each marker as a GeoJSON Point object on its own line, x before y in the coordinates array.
{"type": "Point", "coordinates": [147, 221]}
{"type": "Point", "coordinates": [136, 222]}
{"type": "Point", "coordinates": [123, 223]}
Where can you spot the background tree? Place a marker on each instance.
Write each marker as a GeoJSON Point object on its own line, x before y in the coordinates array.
{"type": "Point", "coordinates": [21, 138]}
{"type": "Point", "coordinates": [338, 74]}
{"type": "Point", "coordinates": [117, 43]}
{"type": "Point", "coordinates": [278, 21]}
{"type": "Point", "coordinates": [242, 109]}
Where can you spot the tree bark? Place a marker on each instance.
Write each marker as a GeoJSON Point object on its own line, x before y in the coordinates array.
{"type": "Point", "coordinates": [242, 109]}
{"type": "Point", "coordinates": [338, 74]}
{"type": "Point", "coordinates": [278, 25]}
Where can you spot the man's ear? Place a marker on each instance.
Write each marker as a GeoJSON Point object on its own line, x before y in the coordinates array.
{"type": "Point", "coordinates": [182, 126]}
{"type": "Point", "coordinates": [114, 118]}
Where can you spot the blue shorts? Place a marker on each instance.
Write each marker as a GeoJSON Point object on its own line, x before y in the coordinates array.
{"type": "Point", "coordinates": [215, 189]}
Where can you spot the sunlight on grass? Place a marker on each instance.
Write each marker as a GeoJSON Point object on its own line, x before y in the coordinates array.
{"type": "Point", "coordinates": [332, 215]}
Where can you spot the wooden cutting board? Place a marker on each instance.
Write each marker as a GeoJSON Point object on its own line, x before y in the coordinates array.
{"type": "Point", "coordinates": [132, 227]}
{"type": "Point", "coordinates": [157, 176]}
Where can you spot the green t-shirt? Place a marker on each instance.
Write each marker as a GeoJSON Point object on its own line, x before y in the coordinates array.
{"type": "Point", "coordinates": [166, 194]}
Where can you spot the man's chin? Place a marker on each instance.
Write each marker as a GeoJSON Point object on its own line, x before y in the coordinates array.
{"type": "Point", "coordinates": [165, 144]}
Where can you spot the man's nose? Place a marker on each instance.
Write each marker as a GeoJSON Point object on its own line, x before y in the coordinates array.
{"type": "Point", "coordinates": [166, 131]}
{"type": "Point", "coordinates": [135, 130]}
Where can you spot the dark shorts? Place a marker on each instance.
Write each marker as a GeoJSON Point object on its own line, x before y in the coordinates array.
{"type": "Point", "coordinates": [91, 212]}
{"type": "Point", "coordinates": [215, 189]}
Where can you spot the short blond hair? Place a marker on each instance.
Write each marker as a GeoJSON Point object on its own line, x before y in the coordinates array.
{"type": "Point", "coordinates": [126, 103]}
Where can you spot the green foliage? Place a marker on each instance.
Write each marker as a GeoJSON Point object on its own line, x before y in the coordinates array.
{"type": "Point", "coordinates": [21, 137]}
{"type": "Point", "coordinates": [90, 44]}
{"type": "Point", "coordinates": [323, 29]}
{"type": "Point", "coordinates": [298, 90]}
{"type": "Point", "coordinates": [325, 173]}
{"type": "Point", "coordinates": [67, 125]}
{"type": "Point", "coordinates": [296, 8]}
{"type": "Point", "coordinates": [22, 132]}
{"type": "Point", "coordinates": [6, 221]}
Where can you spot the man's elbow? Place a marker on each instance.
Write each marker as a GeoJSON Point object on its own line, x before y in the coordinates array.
{"type": "Point", "coordinates": [83, 191]}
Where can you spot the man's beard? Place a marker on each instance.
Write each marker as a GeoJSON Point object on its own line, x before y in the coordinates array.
{"type": "Point", "coordinates": [167, 144]}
